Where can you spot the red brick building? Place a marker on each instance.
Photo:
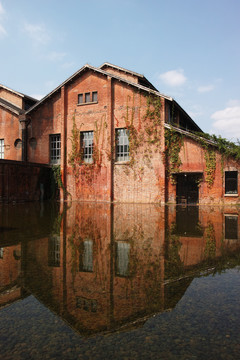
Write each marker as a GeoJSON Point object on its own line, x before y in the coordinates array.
{"type": "Point", "coordinates": [116, 138]}
{"type": "Point", "coordinates": [12, 105]}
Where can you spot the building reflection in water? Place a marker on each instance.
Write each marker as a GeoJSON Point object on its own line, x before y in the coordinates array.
{"type": "Point", "coordinates": [103, 267]}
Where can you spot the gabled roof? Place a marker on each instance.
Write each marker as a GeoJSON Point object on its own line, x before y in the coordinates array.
{"type": "Point", "coordinates": [17, 93]}
{"type": "Point", "coordinates": [141, 78]}
{"type": "Point", "coordinates": [11, 107]}
{"type": "Point", "coordinates": [105, 73]}
{"type": "Point", "coordinates": [113, 76]}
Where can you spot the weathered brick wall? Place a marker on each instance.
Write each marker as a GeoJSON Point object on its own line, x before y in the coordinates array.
{"type": "Point", "coordinates": [10, 131]}
{"type": "Point", "coordinates": [11, 97]}
{"type": "Point", "coordinates": [193, 161]}
{"type": "Point", "coordinates": [100, 181]}
{"type": "Point", "coordinates": [46, 120]}
{"type": "Point", "coordinates": [143, 179]}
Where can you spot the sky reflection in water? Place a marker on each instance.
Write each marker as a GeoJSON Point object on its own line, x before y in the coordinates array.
{"type": "Point", "coordinates": [125, 281]}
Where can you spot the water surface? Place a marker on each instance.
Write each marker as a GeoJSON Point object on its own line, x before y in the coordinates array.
{"type": "Point", "coordinates": [95, 281]}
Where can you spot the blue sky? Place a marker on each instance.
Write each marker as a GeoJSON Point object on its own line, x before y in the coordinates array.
{"type": "Point", "coordinates": [189, 49]}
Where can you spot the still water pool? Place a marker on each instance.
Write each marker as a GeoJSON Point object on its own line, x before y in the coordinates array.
{"type": "Point", "coordinates": [95, 281]}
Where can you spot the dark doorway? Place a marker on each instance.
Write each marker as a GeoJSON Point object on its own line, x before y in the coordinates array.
{"type": "Point", "coordinates": [187, 188]}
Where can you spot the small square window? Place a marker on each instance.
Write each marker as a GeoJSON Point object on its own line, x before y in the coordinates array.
{"type": "Point", "coordinates": [94, 96]}
{"type": "Point", "coordinates": [122, 145]}
{"type": "Point", "coordinates": [86, 139]}
{"type": "Point", "coordinates": [80, 98]}
{"type": "Point", "coordinates": [87, 98]}
{"type": "Point", "coordinates": [231, 182]}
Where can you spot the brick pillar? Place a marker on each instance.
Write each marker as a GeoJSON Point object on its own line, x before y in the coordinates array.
{"type": "Point", "coordinates": [24, 125]}
{"type": "Point", "coordinates": [63, 142]}
{"type": "Point", "coordinates": [110, 97]}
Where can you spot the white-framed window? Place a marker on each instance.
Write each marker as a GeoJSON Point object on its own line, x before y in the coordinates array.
{"type": "Point", "coordinates": [1, 148]}
{"type": "Point", "coordinates": [86, 140]}
{"type": "Point", "coordinates": [231, 182]}
{"type": "Point", "coordinates": [122, 144]}
{"type": "Point", "coordinates": [55, 148]}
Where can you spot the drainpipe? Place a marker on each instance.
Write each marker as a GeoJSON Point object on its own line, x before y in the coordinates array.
{"type": "Point", "coordinates": [24, 121]}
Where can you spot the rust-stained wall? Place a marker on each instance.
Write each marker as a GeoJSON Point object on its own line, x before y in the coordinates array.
{"type": "Point", "coordinates": [118, 106]}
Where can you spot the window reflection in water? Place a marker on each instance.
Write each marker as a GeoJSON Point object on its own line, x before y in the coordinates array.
{"type": "Point", "coordinates": [54, 251]}
{"type": "Point", "coordinates": [231, 227]}
{"type": "Point", "coordinates": [86, 256]}
{"type": "Point", "coordinates": [122, 258]}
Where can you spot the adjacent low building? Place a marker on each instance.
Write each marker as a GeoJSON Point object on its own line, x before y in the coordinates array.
{"type": "Point", "coordinates": [115, 138]}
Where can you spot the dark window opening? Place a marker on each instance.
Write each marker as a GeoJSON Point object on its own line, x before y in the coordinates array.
{"type": "Point", "coordinates": [80, 98]}
{"type": "Point", "coordinates": [231, 182]}
{"type": "Point", "coordinates": [94, 96]}
{"type": "Point", "coordinates": [87, 97]}
{"type": "Point", "coordinates": [231, 227]}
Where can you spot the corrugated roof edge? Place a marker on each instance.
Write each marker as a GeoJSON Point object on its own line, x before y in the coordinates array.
{"type": "Point", "coordinates": [95, 69]}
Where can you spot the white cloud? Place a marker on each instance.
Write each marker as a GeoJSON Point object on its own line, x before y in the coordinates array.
{"type": "Point", "coordinates": [37, 96]}
{"type": "Point", "coordinates": [37, 32]}
{"type": "Point", "coordinates": [2, 11]}
{"type": "Point", "coordinates": [173, 77]}
{"type": "Point", "coordinates": [3, 31]}
{"type": "Point", "coordinates": [205, 88]}
{"type": "Point", "coordinates": [67, 65]}
{"type": "Point", "coordinates": [56, 56]}
{"type": "Point", "coordinates": [227, 122]}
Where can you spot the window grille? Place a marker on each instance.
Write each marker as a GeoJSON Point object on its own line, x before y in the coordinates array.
{"type": "Point", "coordinates": [86, 256]}
{"type": "Point", "coordinates": [54, 251]}
{"type": "Point", "coordinates": [1, 148]}
{"type": "Point", "coordinates": [86, 138]}
{"type": "Point", "coordinates": [122, 145]}
{"type": "Point", "coordinates": [55, 149]}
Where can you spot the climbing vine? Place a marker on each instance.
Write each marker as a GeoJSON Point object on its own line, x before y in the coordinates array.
{"type": "Point", "coordinates": [173, 145]}
{"type": "Point", "coordinates": [58, 179]}
{"type": "Point", "coordinates": [76, 160]}
{"type": "Point", "coordinates": [210, 248]}
{"type": "Point", "coordinates": [147, 132]}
